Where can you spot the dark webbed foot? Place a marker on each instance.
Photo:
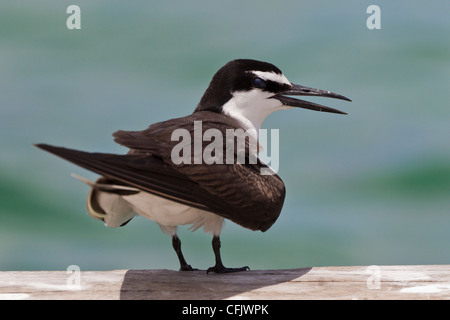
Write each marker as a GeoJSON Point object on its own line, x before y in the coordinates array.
{"type": "Point", "coordinates": [222, 269]}
{"type": "Point", "coordinates": [187, 267]}
{"type": "Point", "coordinates": [219, 267]}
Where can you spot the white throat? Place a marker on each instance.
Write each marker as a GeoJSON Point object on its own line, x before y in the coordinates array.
{"type": "Point", "coordinates": [251, 108]}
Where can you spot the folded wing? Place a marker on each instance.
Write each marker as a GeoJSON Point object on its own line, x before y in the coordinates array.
{"type": "Point", "coordinates": [235, 191]}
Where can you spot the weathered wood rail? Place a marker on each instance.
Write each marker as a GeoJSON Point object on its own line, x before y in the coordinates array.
{"type": "Point", "coordinates": [357, 282]}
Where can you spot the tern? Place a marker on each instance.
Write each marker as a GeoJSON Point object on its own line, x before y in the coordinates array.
{"type": "Point", "coordinates": [150, 182]}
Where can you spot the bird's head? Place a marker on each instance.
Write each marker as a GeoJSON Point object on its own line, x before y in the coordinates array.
{"type": "Point", "coordinates": [250, 90]}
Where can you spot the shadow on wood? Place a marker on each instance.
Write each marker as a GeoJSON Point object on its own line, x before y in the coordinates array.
{"type": "Point", "coordinates": [352, 282]}
{"type": "Point", "coordinates": [168, 284]}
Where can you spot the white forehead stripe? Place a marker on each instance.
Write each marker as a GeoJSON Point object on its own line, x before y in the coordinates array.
{"type": "Point", "coordinates": [266, 75]}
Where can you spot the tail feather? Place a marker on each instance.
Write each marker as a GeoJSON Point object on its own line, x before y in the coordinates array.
{"type": "Point", "coordinates": [105, 186]}
{"type": "Point", "coordinates": [103, 203]}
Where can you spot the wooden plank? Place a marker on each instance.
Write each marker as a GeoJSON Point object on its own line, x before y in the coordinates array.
{"type": "Point", "coordinates": [355, 282]}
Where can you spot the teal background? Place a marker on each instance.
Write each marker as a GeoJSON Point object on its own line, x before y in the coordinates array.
{"type": "Point", "coordinates": [372, 187]}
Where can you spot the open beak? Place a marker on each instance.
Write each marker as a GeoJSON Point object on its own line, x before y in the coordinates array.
{"type": "Point", "coordinates": [297, 90]}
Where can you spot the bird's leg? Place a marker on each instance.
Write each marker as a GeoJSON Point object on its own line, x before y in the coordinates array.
{"type": "Point", "coordinates": [176, 244]}
{"type": "Point", "coordinates": [219, 267]}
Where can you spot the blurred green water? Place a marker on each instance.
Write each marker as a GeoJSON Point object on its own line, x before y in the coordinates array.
{"type": "Point", "coordinates": [369, 188]}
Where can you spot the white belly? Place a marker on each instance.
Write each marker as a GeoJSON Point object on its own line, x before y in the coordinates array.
{"type": "Point", "coordinates": [169, 214]}
{"type": "Point", "coordinates": [117, 209]}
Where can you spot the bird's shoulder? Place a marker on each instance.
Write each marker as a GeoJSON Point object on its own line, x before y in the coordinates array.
{"type": "Point", "coordinates": [160, 138]}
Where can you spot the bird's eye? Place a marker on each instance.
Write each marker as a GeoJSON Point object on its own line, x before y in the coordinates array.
{"type": "Point", "coordinates": [259, 83]}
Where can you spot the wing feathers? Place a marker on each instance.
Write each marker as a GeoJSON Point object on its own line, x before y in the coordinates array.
{"type": "Point", "coordinates": [234, 191]}
{"type": "Point", "coordinates": [144, 172]}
